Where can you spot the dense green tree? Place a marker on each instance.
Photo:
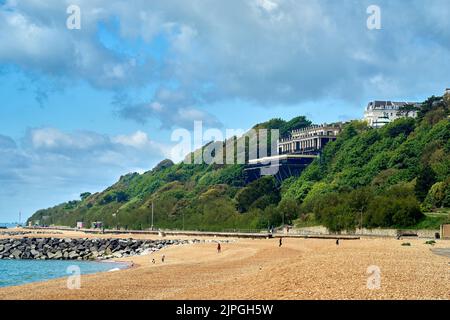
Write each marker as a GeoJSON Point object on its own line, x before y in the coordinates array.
{"type": "Point", "coordinates": [438, 195]}
{"type": "Point", "coordinates": [359, 201]}
{"type": "Point", "coordinates": [85, 195]}
{"type": "Point", "coordinates": [264, 188]}
{"type": "Point", "coordinates": [289, 209]}
{"type": "Point", "coordinates": [402, 126]}
{"type": "Point", "coordinates": [425, 180]}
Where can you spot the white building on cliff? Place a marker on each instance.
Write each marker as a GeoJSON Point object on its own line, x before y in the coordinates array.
{"type": "Point", "coordinates": [379, 113]}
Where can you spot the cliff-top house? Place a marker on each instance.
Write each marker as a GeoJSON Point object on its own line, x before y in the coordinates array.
{"type": "Point", "coordinates": [379, 113]}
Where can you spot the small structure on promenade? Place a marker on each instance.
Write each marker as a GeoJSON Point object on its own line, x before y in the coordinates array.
{"type": "Point", "coordinates": [97, 225]}
{"type": "Point", "coordinates": [445, 231]}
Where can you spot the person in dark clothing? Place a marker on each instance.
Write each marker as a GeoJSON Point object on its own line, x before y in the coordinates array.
{"type": "Point", "coordinates": [281, 242]}
{"type": "Point", "coordinates": [218, 248]}
{"type": "Point", "coordinates": [337, 242]}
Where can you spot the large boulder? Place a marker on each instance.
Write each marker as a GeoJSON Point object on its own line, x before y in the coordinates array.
{"type": "Point", "coordinates": [26, 255]}
{"type": "Point", "coordinates": [58, 255]}
{"type": "Point", "coordinates": [16, 254]}
{"type": "Point", "coordinates": [73, 255]}
{"type": "Point", "coordinates": [118, 254]}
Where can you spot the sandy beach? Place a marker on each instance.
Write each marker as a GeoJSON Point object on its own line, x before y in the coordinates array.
{"type": "Point", "coordinates": [259, 269]}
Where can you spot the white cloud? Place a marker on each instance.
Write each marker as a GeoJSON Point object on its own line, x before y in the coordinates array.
{"type": "Point", "coordinates": [54, 139]}
{"type": "Point", "coordinates": [51, 164]}
{"type": "Point", "coordinates": [297, 51]}
{"type": "Point", "coordinates": [183, 38]}
{"type": "Point", "coordinates": [34, 37]}
{"type": "Point", "coordinates": [139, 140]}
{"type": "Point", "coordinates": [6, 143]}
{"type": "Point", "coordinates": [91, 146]}
{"type": "Point", "coordinates": [136, 140]}
{"type": "Point", "coordinates": [171, 107]}
{"type": "Point", "coordinates": [267, 5]}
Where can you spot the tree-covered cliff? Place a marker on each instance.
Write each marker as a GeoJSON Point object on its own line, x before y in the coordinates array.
{"type": "Point", "coordinates": [378, 177]}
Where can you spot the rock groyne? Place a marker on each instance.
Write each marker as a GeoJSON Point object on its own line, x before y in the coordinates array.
{"type": "Point", "coordinates": [80, 248]}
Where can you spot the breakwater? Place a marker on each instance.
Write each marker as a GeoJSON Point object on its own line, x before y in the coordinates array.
{"type": "Point", "coordinates": [80, 248]}
{"type": "Point", "coordinates": [23, 233]}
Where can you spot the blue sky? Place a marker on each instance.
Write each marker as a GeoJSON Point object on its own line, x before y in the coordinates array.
{"type": "Point", "coordinates": [79, 108]}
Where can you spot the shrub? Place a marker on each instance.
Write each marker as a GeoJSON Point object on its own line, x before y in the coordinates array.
{"type": "Point", "coordinates": [85, 195]}
{"type": "Point", "coordinates": [406, 244]}
{"type": "Point", "coordinates": [438, 196]}
{"type": "Point", "coordinates": [395, 207]}
{"type": "Point", "coordinates": [290, 209]}
{"type": "Point", "coordinates": [266, 186]}
{"type": "Point", "coordinates": [424, 182]}
{"type": "Point", "coordinates": [400, 126]}
{"type": "Point", "coordinates": [339, 218]}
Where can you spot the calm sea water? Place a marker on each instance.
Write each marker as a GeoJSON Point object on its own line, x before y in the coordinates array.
{"type": "Point", "coordinates": [8, 225]}
{"type": "Point", "coordinates": [16, 272]}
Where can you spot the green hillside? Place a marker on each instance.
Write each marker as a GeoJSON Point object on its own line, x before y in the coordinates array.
{"type": "Point", "coordinates": [381, 177]}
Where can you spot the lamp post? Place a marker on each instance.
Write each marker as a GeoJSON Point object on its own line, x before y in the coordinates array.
{"type": "Point", "coordinates": [152, 215]}
{"type": "Point", "coordinates": [360, 223]}
{"type": "Point", "coordinates": [115, 215]}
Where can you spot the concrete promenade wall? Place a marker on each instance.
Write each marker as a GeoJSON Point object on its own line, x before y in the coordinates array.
{"type": "Point", "coordinates": [320, 230]}
{"type": "Point", "coordinates": [308, 231]}
{"type": "Point", "coordinates": [261, 235]}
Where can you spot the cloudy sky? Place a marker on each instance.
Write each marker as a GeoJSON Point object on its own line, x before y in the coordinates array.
{"type": "Point", "coordinates": [80, 107]}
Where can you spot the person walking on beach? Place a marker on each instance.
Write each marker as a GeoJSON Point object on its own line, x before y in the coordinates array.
{"type": "Point", "coordinates": [163, 258]}
{"type": "Point", "coordinates": [153, 261]}
{"type": "Point", "coordinates": [218, 248]}
{"type": "Point", "coordinates": [281, 242]}
{"type": "Point", "coordinates": [337, 241]}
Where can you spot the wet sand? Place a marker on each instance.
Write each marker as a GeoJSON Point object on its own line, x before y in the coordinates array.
{"type": "Point", "coordinates": [259, 269]}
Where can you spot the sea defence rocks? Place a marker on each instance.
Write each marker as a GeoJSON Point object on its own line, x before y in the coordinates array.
{"type": "Point", "coordinates": [80, 248]}
{"type": "Point", "coordinates": [22, 233]}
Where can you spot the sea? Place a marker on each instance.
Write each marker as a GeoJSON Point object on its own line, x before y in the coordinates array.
{"type": "Point", "coordinates": [7, 225]}
{"type": "Point", "coordinates": [17, 272]}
